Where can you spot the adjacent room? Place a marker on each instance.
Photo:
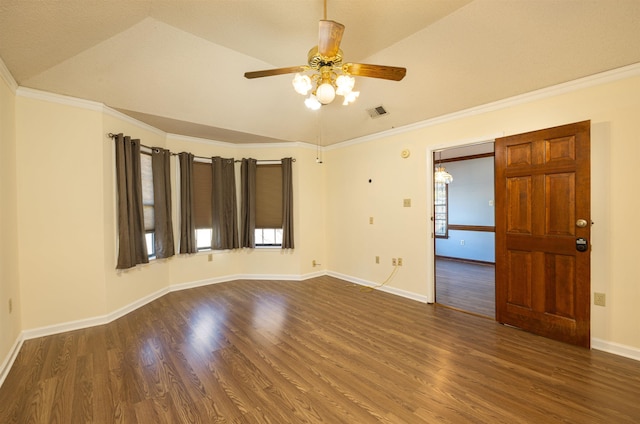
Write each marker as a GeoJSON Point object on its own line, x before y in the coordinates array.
{"type": "Point", "coordinates": [464, 228]}
{"type": "Point", "coordinates": [319, 211]}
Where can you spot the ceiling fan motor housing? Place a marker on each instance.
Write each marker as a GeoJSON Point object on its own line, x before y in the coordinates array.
{"type": "Point", "coordinates": [317, 61]}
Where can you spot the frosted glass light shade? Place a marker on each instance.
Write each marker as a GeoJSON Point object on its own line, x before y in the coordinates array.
{"type": "Point", "coordinates": [302, 84]}
{"type": "Point", "coordinates": [325, 93]}
{"type": "Point", "coordinates": [350, 97]}
{"type": "Point", "coordinates": [312, 102]}
{"type": "Point", "coordinates": [345, 84]}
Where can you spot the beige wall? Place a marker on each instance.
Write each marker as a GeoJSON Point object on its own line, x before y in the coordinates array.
{"type": "Point", "coordinates": [613, 109]}
{"type": "Point", "coordinates": [10, 324]}
{"type": "Point", "coordinates": [61, 207]}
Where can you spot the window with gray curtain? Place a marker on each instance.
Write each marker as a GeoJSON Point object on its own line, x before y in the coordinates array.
{"type": "Point", "coordinates": [148, 210]}
{"type": "Point", "coordinates": [162, 217]}
{"type": "Point", "coordinates": [267, 204]}
{"type": "Point", "coordinates": [187, 224]}
{"type": "Point", "coordinates": [224, 219]}
{"type": "Point", "coordinates": [268, 229]}
{"type": "Point", "coordinates": [202, 188]}
{"type": "Point", "coordinates": [132, 249]}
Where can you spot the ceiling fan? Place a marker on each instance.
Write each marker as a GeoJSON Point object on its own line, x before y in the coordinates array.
{"type": "Point", "coordinates": [329, 74]}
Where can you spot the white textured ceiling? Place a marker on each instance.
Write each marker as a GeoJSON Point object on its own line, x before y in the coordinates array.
{"type": "Point", "coordinates": [179, 65]}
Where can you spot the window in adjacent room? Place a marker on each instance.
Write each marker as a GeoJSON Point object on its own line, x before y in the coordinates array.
{"type": "Point", "coordinates": [268, 230]}
{"type": "Point", "coordinates": [441, 213]}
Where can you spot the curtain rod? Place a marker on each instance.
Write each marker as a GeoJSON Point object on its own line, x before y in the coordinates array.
{"type": "Point", "coordinates": [112, 135]}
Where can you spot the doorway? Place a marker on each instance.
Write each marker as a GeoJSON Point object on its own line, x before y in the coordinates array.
{"type": "Point", "coordinates": [464, 235]}
{"type": "Point", "coordinates": [542, 232]}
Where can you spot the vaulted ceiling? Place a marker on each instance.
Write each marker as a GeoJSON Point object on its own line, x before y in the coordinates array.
{"type": "Point", "coordinates": [179, 65]}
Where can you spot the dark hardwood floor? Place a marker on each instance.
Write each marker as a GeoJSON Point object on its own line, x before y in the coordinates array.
{"type": "Point", "coordinates": [468, 286]}
{"type": "Point", "coordinates": [318, 351]}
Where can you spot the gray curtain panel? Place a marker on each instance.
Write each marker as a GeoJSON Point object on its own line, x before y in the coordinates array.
{"type": "Point", "coordinates": [132, 248]}
{"type": "Point", "coordinates": [187, 224]}
{"type": "Point", "coordinates": [161, 165]}
{"type": "Point", "coordinates": [248, 202]}
{"type": "Point", "coordinates": [287, 204]}
{"type": "Point", "coordinates": [224, 207]}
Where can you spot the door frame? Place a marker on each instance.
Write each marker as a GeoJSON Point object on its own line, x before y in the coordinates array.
{"type": "Point", "coordinates": [431, 247]}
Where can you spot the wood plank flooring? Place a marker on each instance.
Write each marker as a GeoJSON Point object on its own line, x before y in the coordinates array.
{"type": "Point", "coordinates": [467, 286]}
{"type": "Point", "coordinates": [318, 351]}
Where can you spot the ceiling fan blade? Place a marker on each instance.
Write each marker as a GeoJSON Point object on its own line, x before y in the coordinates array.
{"type": "Point", "coordinates": [329, 38]}
{"type": "Point", "coordinates": [375, 71]}
{"type": "Point", "coordinates": [272, 72]}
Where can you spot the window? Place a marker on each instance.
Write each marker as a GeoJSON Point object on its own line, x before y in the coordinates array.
{"type": "Point", "coordinates": [441, 212]}
{"type": "Point", "coordinates": [148, 207]}
{"type": "Point", "coordinates": [268, 236]}
{"type": "Point", "coordinates": [202, 181]}
{"type": "Point", "coordinates": [203, 238]}
{"type": "Point", "coordinates": [268, 230]}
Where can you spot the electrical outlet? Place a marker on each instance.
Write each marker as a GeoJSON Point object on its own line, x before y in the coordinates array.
{"type": "Point", "coordinates": [461, 242]}
{"type": "Point", "coordinates": [394, 262]}
{"type": "Point", "coordinates": [406, 203]}
{"type": "Point", "coordinates": [210, 257]}
{"type": "Point", "coordinates": [313, 263]}
{"type": "Point", "coordinates": [377, 259]}
{"type": "Point", "coordinates": [370, 220]}
{"type": "Point", "coordinates": [10, 305]}
{"type": "Point", "coordinates": [399, 261]}
{"type": "Point", "coordinates": [599, 299]}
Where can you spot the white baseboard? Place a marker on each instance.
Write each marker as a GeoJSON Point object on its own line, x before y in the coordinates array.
{"type": "Point", "coordinates": [386, 289]}
{"type": "Point", "coordinates": [10, 359]}
{"type": "Point", "coordinates": [200, 283]}
{"type": "Point", "coordinates": [285, 277]}
{"type": "Point", "coordinates": [94, 321]}
{"type": "Point", "coordinates": [615, 348]}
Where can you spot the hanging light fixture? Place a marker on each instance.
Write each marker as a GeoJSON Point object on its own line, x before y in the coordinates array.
{"type": "Point", "coordinates": [330, 80]}
{"type": "Point", "coordinates": [441, 175]}
{"type": "Point", "coordinates": [327, 75]}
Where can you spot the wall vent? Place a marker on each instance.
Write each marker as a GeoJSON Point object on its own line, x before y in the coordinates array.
{"type": "Point", "coordinates": [377, 111]}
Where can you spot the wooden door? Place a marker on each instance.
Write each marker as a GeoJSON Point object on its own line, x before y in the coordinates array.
{"type": "Point", "coordinates": [542, 193]}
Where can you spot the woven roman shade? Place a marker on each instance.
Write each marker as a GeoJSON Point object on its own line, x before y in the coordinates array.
{"type": "Point", "coordinates": [202, 195]}
{"type": "Point", "coordinates": [147, 191]}
{"type": "Point", "coordinates": [269, 196]}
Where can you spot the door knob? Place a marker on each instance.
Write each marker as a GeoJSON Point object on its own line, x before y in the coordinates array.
{"type": "Point", "coordinates": [581, 223]}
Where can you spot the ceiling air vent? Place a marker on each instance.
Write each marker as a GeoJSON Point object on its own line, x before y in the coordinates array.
{"type": "Point", "coordinates": [377, 111]}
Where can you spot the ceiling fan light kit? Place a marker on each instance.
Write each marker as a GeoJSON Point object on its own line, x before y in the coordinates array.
{"type": "Point", "coordinates": [329, 75]}
{"type": "Point", "coordinates": [328, 84]}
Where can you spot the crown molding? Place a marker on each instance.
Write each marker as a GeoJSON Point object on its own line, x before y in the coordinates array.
{"type": "Point", "coordinates": [209, 142]}
{"type": "Point", "coordinates": [31, 93]}
{"type": "Point", "coordinates": [124, 117]}
{"type": "Point", "coordinates": [617, 74]}
{"type": "Point", "coordinates": [7, 77]}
